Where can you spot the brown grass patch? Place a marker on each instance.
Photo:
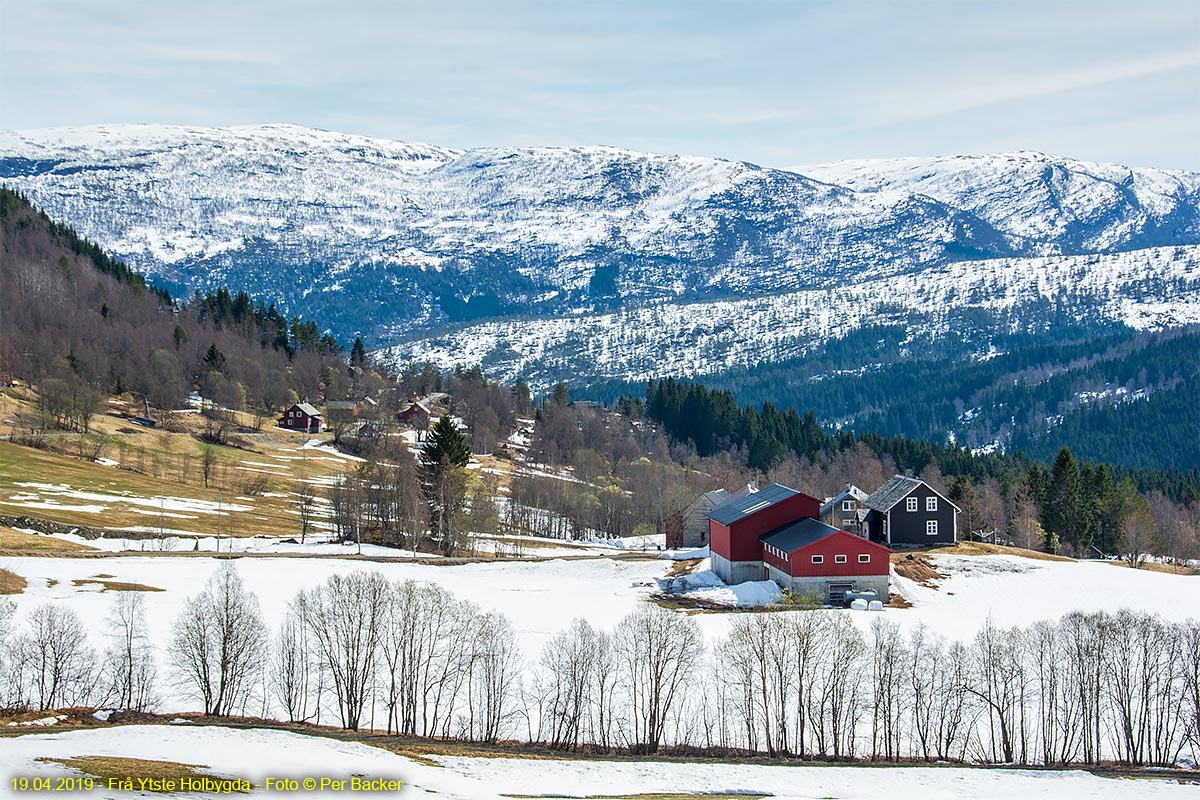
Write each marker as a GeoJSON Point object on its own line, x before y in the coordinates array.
{"type": "Point", "coordinates": [1154, 566]}
{"type": "Point", "coordinates": [115, 586]}
{"type": "Point", "coordinates": [985, 549]}
{"type": "Point", "coordinates": [917, 567]}
{"type": "Point", "coordinates": [19, 541]}
{"type": "Point", "coordinates": [11, 582]}
{"type": "Point", "coordinates": [422, 752]}
{"type": "Point", "coordinates": [684, 566]}
{"type": "Point", "coordinates": [106, 767]}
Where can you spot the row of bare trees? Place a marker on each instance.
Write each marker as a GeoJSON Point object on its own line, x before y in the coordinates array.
{"type": "Point", "coordinates": [413, 659]}
{"type": "Point", "coordinates": [50, 664]}
{"type": "Point", "coordinates": [1085, 689]}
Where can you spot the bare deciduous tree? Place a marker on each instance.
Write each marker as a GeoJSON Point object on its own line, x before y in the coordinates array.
{"type": "Point", "coordinates": [347, 616]}
{"type": "Point", "coordinates": [297, 674]}
{"type": "Point", "coordinates": [658, 651]}
{"type": "Point", "coordinates": [219, 643]}
{"type": "Point", "coordinates": [129, 662]}
{"type": "Point", "coordinates": [56, 665]}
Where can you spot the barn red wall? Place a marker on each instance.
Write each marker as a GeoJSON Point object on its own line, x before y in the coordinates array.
{"type": "Point", "coordinates": [840, 543]}
{"type": "Point", "coordinates": [744, 532]}
{"type": "Point", "coordinates": [718, 539]}
{"type": "Point", "coordinates": [775, 561]}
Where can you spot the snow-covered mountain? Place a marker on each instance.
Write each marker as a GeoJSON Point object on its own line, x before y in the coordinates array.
{"type": "Point", "coordinates": [1075, 206]}
{"type": "Point", "coordinates": [630, 263]}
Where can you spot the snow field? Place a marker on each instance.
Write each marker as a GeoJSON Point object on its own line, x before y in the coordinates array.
{"type": "Point", "coordinates": [241, 753]}
{"type": "Point", "coordinates": [541, 598]}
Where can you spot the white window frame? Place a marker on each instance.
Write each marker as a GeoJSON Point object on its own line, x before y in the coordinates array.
{"type": "Point", "coordinates": [847, 505]}
{"type": "Point", "coordinates": [910, 504]}
{"type": "Point", "coordinates": [864, 558]}
{"type": "Point", "coordinates": [839, 559]}
{"type": "Point", "coordinates": [818, 559]}
{"type": "Point", "coordinates": [931, 527]}
{"type": "Point", "coordinates": [931, 503]}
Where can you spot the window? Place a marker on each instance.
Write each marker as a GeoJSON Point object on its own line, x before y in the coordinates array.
{"type": "Point", "coordinates": [847, 505]}
{"type": "Point", "coordinates": [931, 503]}
{"type": "Point", "coordinates": [931, 527]}
{"type": "Point", "coordinates": [864, 558]}
{"type": "Point", "coordinates": [839, 559]}
{"type": "Point", "coordinates": [912, 504]}
{"type": "Point", "coordinates": [818, 559]}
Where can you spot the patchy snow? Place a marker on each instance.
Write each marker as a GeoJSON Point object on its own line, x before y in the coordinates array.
{"type": "Point", "coordinates": [48, 492]}
{"type": "Point", "coordinates": [704, 584]}
{"type": "Point", "coordinates": [329, 449]}
{"type": "Point", "coordinates": [256, 754]}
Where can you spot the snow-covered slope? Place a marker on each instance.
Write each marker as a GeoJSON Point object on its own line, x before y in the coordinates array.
{"type": "Point", "coordinates": [1073, 206]}
{"type": "Point", "coordinates": [1144, 289]}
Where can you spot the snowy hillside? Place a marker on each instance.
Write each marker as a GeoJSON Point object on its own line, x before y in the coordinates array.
{"type": "Point", "coordinates": [1145, 289]}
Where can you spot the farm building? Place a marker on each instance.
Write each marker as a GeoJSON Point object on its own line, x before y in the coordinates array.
{"type": "Point", "coordinates": [689, 527]}
{"type": "Point", "coordinates": [845, 509]}
{"type": "Point", "coordinates": [415, 415]}
{"type": "Point", "coordinates": [809, 557]}
{"type": "Point", "coordinates": [301, 417]}
{"type": "Point", "coordinates": [776, 534]}
{"type": "Point", "coordinates": [908, 511]}
{"type": "Point", "coordinates": [341, 410]}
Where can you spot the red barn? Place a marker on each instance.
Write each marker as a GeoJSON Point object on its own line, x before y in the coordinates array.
{"type": "Point", "coordinates": [416, 415]}
{"type": "Point", "coordinates": [301, 417]}
{"type": "Point", "coordinates": [776, 534]}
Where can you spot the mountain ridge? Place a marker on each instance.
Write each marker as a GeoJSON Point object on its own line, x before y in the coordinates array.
{"type": "Point", "coordinates": [422, 236]}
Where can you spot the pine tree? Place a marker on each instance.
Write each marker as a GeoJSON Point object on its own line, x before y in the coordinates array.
{"type": "Point", "coordinates": [214, 359]}
{"type": "Point", "coordinates": [358, 354]}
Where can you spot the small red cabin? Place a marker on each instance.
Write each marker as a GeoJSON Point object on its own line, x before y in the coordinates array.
{"type": "Point", "coordinates": [301, 417]}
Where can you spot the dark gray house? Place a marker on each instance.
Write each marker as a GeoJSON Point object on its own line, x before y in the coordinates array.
{"type": "Point", "coordinates": [845, 510]}
{"type": "Point", "coordinates": [908, 511]}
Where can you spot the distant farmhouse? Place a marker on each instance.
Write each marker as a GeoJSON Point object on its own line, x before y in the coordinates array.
{"type": "Point", "coordinates": [908, 511]}
{"type": "Point", "coordinates": [846, 510]}
{"type": "Point", "coordinates": [415, 415]}
{"type": "Point", "coordinates": [301, 417]}
{"type": "Point", "coordinates": [776, 534]}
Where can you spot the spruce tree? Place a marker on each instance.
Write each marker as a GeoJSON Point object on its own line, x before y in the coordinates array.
{"type": "Point", "coordinates": [358, 354]}
{"type": "Point", "coordinates": [445, 445]}
{"type": "Point", "coordinates": [443, 461]}
{"type": "Point", "coordinates": [1062, 513]}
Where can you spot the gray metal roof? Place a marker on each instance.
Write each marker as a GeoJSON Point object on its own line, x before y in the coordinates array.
{"type": "Point", "coordinates": [892, 492]}
{"type": "Point", "coordinates": [798, 534]}
{"type": "Point", "coordinates": [896, 490]}
{"type": "Point", "coordinates": [851, 492]}
{"type": "Point", "coordinates": [734, 510]}
{"type": "Point", "coordinates": [308, 409]}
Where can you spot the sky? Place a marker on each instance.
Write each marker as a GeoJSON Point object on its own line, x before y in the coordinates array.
{"type": "Point", "coordinates": [774, 83]}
